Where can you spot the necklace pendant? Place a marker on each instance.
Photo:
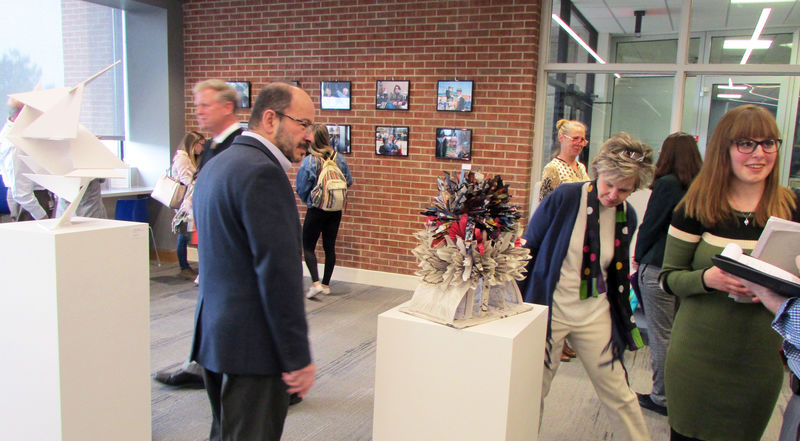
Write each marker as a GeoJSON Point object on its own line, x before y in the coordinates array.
{"type": "Point", "coordinates": [746, 222]}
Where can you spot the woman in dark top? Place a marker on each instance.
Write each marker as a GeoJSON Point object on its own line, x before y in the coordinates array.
{"type": "Point", "coordinates": [678, 164]}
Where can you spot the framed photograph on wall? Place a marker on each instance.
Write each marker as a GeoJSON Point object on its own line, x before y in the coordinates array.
{"type": "Point", "coordinates": [454, 96]}
{"type": "Point", "coordinates": [392, 95]}
{"type": "Point", "coordinates": [339, 135]}
{"type": "Point", "coordinates": [334, 95]}
{"type": "Point", "coordinates": [391, 141]}
{"type": "Point", "coordinates": [242, 93]}
{"type": "Point", "coordinates": [454, 144]}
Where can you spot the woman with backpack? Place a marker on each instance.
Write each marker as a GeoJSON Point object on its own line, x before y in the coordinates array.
{"type": "Point", "coordinates": [316, 183]}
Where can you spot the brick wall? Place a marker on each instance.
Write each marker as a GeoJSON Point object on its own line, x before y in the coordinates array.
{"type": "Point", "coordinates": [493, 43]}
{"type": "Point", "coordinates": [88, 48]}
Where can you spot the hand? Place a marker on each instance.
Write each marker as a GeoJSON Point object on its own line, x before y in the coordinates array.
{"type": "Point", "coordinates": [768, 297]}
{"type": "Point", "coordinates": [717, 279]}
{"type": "Point", "coordinates": [301, 380]}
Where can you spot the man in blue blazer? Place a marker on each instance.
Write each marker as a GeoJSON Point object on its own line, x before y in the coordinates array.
{"type": "Point", "coordinates": [251, 335]}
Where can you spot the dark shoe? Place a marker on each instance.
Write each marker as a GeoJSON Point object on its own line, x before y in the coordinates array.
{"type": "Point", "coordinates": [187, 274]}
{"type": "Point", "coordinates": [294, 399]}
{"type": "Point", "coordinates": [647, 403]}
{"type": "Point", "coordinates": [180, 378]}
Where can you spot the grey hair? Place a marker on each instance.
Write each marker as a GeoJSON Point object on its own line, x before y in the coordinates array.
{"type": "Point", "coordinates": [623, 157]}
{"type": "Point", "coordinates": [225, 92]}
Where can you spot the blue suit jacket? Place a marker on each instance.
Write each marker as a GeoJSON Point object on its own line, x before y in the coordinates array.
{"type": "Point", "coordinates": [250, 316]}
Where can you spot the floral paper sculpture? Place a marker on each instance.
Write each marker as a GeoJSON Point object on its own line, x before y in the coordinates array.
{"type": "Point", "coordinates": [469, 254]}
{"type": "Point", "coordinates": [64, 155]}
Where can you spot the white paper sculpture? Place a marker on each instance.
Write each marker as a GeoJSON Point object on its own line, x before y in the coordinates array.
{"type": "Point", "coordinates": [64, 155]}
{"type": "Point", "coordinates": [469, 254]}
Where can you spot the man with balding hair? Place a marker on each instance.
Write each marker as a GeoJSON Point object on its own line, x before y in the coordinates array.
{"type": "Point", "coordinates": [251, 334]}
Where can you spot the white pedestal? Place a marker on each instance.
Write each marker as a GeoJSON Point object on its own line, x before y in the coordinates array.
{"type": "Point", "coordinates": [74, 331]}
{"type": "Point", "coordinates": [435, 383]}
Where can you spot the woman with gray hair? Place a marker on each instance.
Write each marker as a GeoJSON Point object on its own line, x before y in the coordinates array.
{"type": "Point", "coordinates": [579, 240]}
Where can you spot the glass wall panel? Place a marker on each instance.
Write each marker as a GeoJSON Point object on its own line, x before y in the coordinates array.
{"type": "Point", "coordinates": [654, 51]}
{"type": "Point", "coordinates": [792, 148]}
{"type": "Point", "coordinates": [642, 106]}
{"type": "Point", "coordinates": [778, 52]}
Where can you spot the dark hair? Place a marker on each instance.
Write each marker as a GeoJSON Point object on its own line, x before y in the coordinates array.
{"type": "Point", "coordinates": [276, 96]}
{"type": "Point", "coordinates": [680, 156]}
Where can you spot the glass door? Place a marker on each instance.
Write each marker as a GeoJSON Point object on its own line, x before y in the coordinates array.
{"type": "Point", "coordinates": [719, 94]}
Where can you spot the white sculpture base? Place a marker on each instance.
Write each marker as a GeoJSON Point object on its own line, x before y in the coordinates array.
{"type": "Point", "coordinates": [74, 331]}
{"type": "Point", "coordinates": [460, 306]}
{"type": "Point", "coordinates": [434, 382]}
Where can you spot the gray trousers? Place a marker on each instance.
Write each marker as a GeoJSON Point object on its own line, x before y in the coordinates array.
{"type": "Point", "coordinates": [659, 309]}
{"type": "Point", "coordinates": [791, 420]}
{"type": "Point", "coordinates": [246, 407]}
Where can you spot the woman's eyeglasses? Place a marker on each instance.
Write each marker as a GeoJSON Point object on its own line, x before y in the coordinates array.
{"type": "Point", "coordinates": [576, 140]}
{"type": "Point", "coordinates": [748, 146]}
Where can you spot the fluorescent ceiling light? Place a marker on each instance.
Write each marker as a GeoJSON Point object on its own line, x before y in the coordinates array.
{"type": "Point", "coordinates": [729, 95]}
{"type": "Point", "coordinates": [578, 38]}
{"type": "Point", "coordinates": [762, 21]}
{"type": "Point", "coordinates": [732, 86]}
{"type": "Point", "coordinates": [733, 2]}
{"type": "Point", "coordinates": [746, 44]}
{"type": "Point", "coordinates": [580, 41]}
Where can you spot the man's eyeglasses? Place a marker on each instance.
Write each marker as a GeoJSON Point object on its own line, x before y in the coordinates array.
{"type": "Point", "coordinates": [582, 141]}
{"type": "Point", "coordinates": [748, 146]}
{"type": "Point", "coordinates": [306, 124]}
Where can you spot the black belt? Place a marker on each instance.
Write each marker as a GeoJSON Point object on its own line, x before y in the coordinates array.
{"type": "Point", "coordinates": [794, 383]}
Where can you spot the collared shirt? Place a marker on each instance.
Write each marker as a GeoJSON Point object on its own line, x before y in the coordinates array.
{"type": "Point", "coordinates": [224, 134]}
{"type": "Point", "coordinates": [282, 159]}
{"type": "Point", "coordinates": [787, 324]}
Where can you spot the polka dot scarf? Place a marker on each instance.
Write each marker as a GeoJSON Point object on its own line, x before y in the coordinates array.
{"type": "Point", "coordinates": [625, 333]}
{"type": "Point", "coordinates": [592, 283]}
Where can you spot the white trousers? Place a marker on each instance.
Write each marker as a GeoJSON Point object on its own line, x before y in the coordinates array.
{"type": "Point", "coordinates": [609, 379]}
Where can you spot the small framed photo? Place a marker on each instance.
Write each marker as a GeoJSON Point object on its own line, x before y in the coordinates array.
{"type": "Point", "coordinates": [454, 144]}
{"type": "Point", "coordinates": [392, 95]}
{"type": "Point", "coordinates": [339, 137]}
{"type": "Point", "coordinates": [242, 93]}
{"type": "Point", "coordinates": [391, 140]}
{"type": "Point", "coordinates": [334, 95]}
{"type": "Point", "coordinates": [454, 96]}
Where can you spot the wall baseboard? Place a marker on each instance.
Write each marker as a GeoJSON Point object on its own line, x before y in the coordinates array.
{"type": "Point", "coordinates": [340, 273]}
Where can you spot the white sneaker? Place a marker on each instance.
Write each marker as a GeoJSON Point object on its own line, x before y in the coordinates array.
{"type": "Point", "coordinates": [313, 290]}
{"type": "Point", "coordinates": [325, 289]}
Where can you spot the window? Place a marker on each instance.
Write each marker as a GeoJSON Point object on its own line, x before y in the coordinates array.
{"type": "Point", "coordinates": [58, 43]}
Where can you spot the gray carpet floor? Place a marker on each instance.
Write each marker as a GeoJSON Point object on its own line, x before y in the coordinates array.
{"type": "Point", "coordinates": [343, 328]}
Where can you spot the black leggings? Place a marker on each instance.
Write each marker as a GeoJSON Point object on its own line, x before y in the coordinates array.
{"type": "Point", "coordinates": [318, 222]}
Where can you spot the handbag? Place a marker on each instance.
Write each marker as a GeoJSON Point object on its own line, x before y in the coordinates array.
{"type": "Point", "coordinates": [169, 191]}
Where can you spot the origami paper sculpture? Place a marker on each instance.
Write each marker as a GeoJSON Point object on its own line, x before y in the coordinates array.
{"type": "Point", "coordinates": [64, 155]}
{"type": "Point", "coordinates": [469, 254]}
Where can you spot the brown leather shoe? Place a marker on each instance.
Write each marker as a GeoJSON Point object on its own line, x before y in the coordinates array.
{"type": "Point", "coordinates": [180, 378]}
{"type": "Point", "coordinates": [568, 351]}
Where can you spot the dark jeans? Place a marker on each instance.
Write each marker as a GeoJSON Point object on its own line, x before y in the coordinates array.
{"type": "Point", "coordinates": [184, 237]}
{"type": "Point", "coordinates": [318, 222]}
{"type": "Point", "coordinates": [246, 407]}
